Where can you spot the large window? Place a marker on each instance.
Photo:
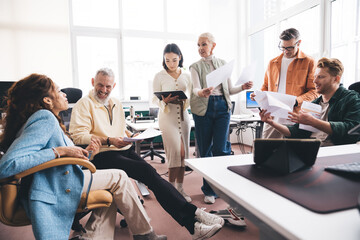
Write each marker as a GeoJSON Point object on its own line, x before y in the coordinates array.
{"type": "Point", "coordinates": [279, 15]}
{"type": "Point", "coordinates": [129, 36]}
{"type": "Point", "coordinates": [328, 28]}
{"type": "Point", "coordinates": [34, 38]}
{"type": "Point", "coordinates": [345, 37]}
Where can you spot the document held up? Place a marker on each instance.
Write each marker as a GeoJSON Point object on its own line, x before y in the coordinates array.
{"type": "Point", "coordinates": [278, 104]}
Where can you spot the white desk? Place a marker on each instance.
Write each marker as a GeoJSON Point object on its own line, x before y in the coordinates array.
{"type": "Point", "coordinates": [253, 122]}
{"type": "Point", "coordinates": [234, 123]}
{"type": "Point", "coordinates": [276, 216]}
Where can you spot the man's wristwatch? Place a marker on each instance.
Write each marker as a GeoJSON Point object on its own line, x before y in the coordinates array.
{"type": "Point", "coordinates": [108, 141]}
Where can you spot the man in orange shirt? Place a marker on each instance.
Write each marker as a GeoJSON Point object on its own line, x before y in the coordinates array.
{"type": "Point", "coordinates": [291, 73]}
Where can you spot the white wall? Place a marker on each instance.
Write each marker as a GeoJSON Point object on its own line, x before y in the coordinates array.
{"type": "Point", "coordinates": [35, 38]}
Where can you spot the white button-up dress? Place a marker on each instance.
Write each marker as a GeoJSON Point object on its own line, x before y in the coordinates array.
{"type": "Point", "coordinates": [174, 130]}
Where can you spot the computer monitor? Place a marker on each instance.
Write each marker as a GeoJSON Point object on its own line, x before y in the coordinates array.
{"type": "Point", "coordinates": [153, 111]}
{"type": "Point", "coordinates": [250, 103]}
{"type": "Point", "coordinates": [4, 87]}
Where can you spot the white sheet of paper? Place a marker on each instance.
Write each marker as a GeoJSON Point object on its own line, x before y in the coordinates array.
{"type": "Point", "coordinates": [148, 133]}
{"type": "Point", "coordinates": [313, 109]}
{"type": "Point", "coordinates": [247, 74]}
{"type": "Point", "coordinates": [219, 75]}
{"type": "Point", "coordinates": [278, 104]}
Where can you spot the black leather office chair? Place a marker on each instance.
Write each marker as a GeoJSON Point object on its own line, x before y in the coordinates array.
{"type": "Point", "coordinates": [355, 86]}
{"type": "Point", "coordinates": [152, 152]}
{"type": "Point", "coordinates": [72, 95]}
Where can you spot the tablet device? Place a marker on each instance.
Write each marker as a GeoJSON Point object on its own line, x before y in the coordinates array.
{"type": "Point", "coordinates": [250, 103]}
{"type": "Point", "coordinates": [285, 155]}
{"type": "Point", "coordinates": [181, 94]}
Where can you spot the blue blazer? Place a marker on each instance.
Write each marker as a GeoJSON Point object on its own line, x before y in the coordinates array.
{"type": "Point", "coordinates": [54, 193]}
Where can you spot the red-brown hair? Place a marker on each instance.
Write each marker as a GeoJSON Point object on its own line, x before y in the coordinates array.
{"type": "Point", "coordinates": [25, 97]}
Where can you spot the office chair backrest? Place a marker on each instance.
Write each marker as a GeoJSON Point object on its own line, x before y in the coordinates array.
{"type": "Point", "coordinates": [355, 87]}
{"type": "Point", "coordinates": [73, 95]}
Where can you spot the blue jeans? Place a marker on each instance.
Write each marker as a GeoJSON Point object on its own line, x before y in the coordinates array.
{"type": "Point", "coordinates": [212, 131]}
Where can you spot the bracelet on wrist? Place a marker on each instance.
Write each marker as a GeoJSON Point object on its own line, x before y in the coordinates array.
{"type": "Point", "coordinates": [108, 141]}
{"type": "Point", "coordinates": [57, 154]}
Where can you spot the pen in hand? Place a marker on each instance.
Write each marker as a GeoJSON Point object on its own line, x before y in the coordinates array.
{"type": "Point", "coordinates": [90, 153]}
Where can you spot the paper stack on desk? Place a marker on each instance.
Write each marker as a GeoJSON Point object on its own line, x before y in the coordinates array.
{"type": "Point", "coordinates": [148, 133]}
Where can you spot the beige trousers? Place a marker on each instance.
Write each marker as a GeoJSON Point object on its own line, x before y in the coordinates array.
{"type": "Point", "coordinates": [270, 132]}
{"type": "Point", "coordinates": [101, 224]}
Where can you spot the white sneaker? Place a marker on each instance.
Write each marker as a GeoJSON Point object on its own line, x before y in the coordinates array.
{"type": "Point", "coordinates": [208, 218]}
{"type": "Point", "coordinates": [202, 231]}
{"type": "Point", "coordinates": [209, 199]}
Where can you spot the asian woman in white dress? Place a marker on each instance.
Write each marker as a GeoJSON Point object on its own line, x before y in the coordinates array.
{"type": "Point", "coordinates": [174, 121]}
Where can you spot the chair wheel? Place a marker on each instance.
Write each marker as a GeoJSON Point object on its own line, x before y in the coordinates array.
{"type": "Point", "coordinates": [162, 160]}
{"type": "Point", "coordinates": [123, 223]}
{"type": "Point", "coordinates": [142, 201]}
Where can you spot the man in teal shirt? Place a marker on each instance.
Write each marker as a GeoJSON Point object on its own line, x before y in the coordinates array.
{"type": "Point", "coordinates": [340, 109]}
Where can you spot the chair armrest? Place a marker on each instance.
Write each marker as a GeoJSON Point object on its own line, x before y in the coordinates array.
{"type": "Point", "coordinates": [57, 162]}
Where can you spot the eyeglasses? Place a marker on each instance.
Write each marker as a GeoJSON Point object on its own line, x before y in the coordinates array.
{"type": "Point", "coordinates": [287, 48]}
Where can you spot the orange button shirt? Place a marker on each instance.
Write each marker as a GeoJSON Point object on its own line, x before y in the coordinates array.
{"type": "Point", "coordinates": [299, 78]}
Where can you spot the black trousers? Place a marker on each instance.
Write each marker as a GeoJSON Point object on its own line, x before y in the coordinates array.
{"type": "Point", "coordinates": [137, 168]}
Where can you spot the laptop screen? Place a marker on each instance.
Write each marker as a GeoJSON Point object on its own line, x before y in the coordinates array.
{"type": "Point", "coordinates": [250, 103]}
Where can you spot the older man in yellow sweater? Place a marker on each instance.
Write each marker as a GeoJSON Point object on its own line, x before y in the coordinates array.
{"type": "Point", "coordinates": [97, 116]}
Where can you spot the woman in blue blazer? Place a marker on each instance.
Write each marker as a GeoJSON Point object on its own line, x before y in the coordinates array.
{"type": "Point", "coordinates": [33, 135]}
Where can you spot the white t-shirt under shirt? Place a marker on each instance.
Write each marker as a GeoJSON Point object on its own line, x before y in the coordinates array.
{"type": "Point", "coordinates": [282, 84]}
{"type": "Point", "coordinates": [285, 62]}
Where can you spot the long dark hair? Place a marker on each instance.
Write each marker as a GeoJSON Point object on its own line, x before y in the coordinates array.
{"type": "Point", "coordinates": [25, 97]}
{"type": "Point", "coordinates": [173, 48]}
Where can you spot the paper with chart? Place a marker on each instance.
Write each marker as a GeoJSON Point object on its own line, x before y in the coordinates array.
{"type": "Point", "coordinates": [219, 75]}
{"type": "Point", "coordinates": [314, 110]}
{"type": "Point", "coordinates": [278, 104]}
{"type": "Point", "coordinates": [148, 133]}
{"type": "Point", "coordinates": [247, 74]}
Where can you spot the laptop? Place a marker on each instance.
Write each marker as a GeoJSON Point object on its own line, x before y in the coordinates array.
{"type": "Point", "coordinates": [285, 155]}
{"type": "Point", "coordinates": [250, 103]}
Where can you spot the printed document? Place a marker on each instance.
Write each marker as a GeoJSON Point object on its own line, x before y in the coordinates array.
{"type": "Point", "coordinates": [314, 110]}
{"type": "Point", "coordinates": [148, 133]}
{"type": "Point", "coordinates": [219, 75]}
{"type": "Point", "coordinates": [247, 74]}
{"type": "Point", "coordinates": [278, 104]}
